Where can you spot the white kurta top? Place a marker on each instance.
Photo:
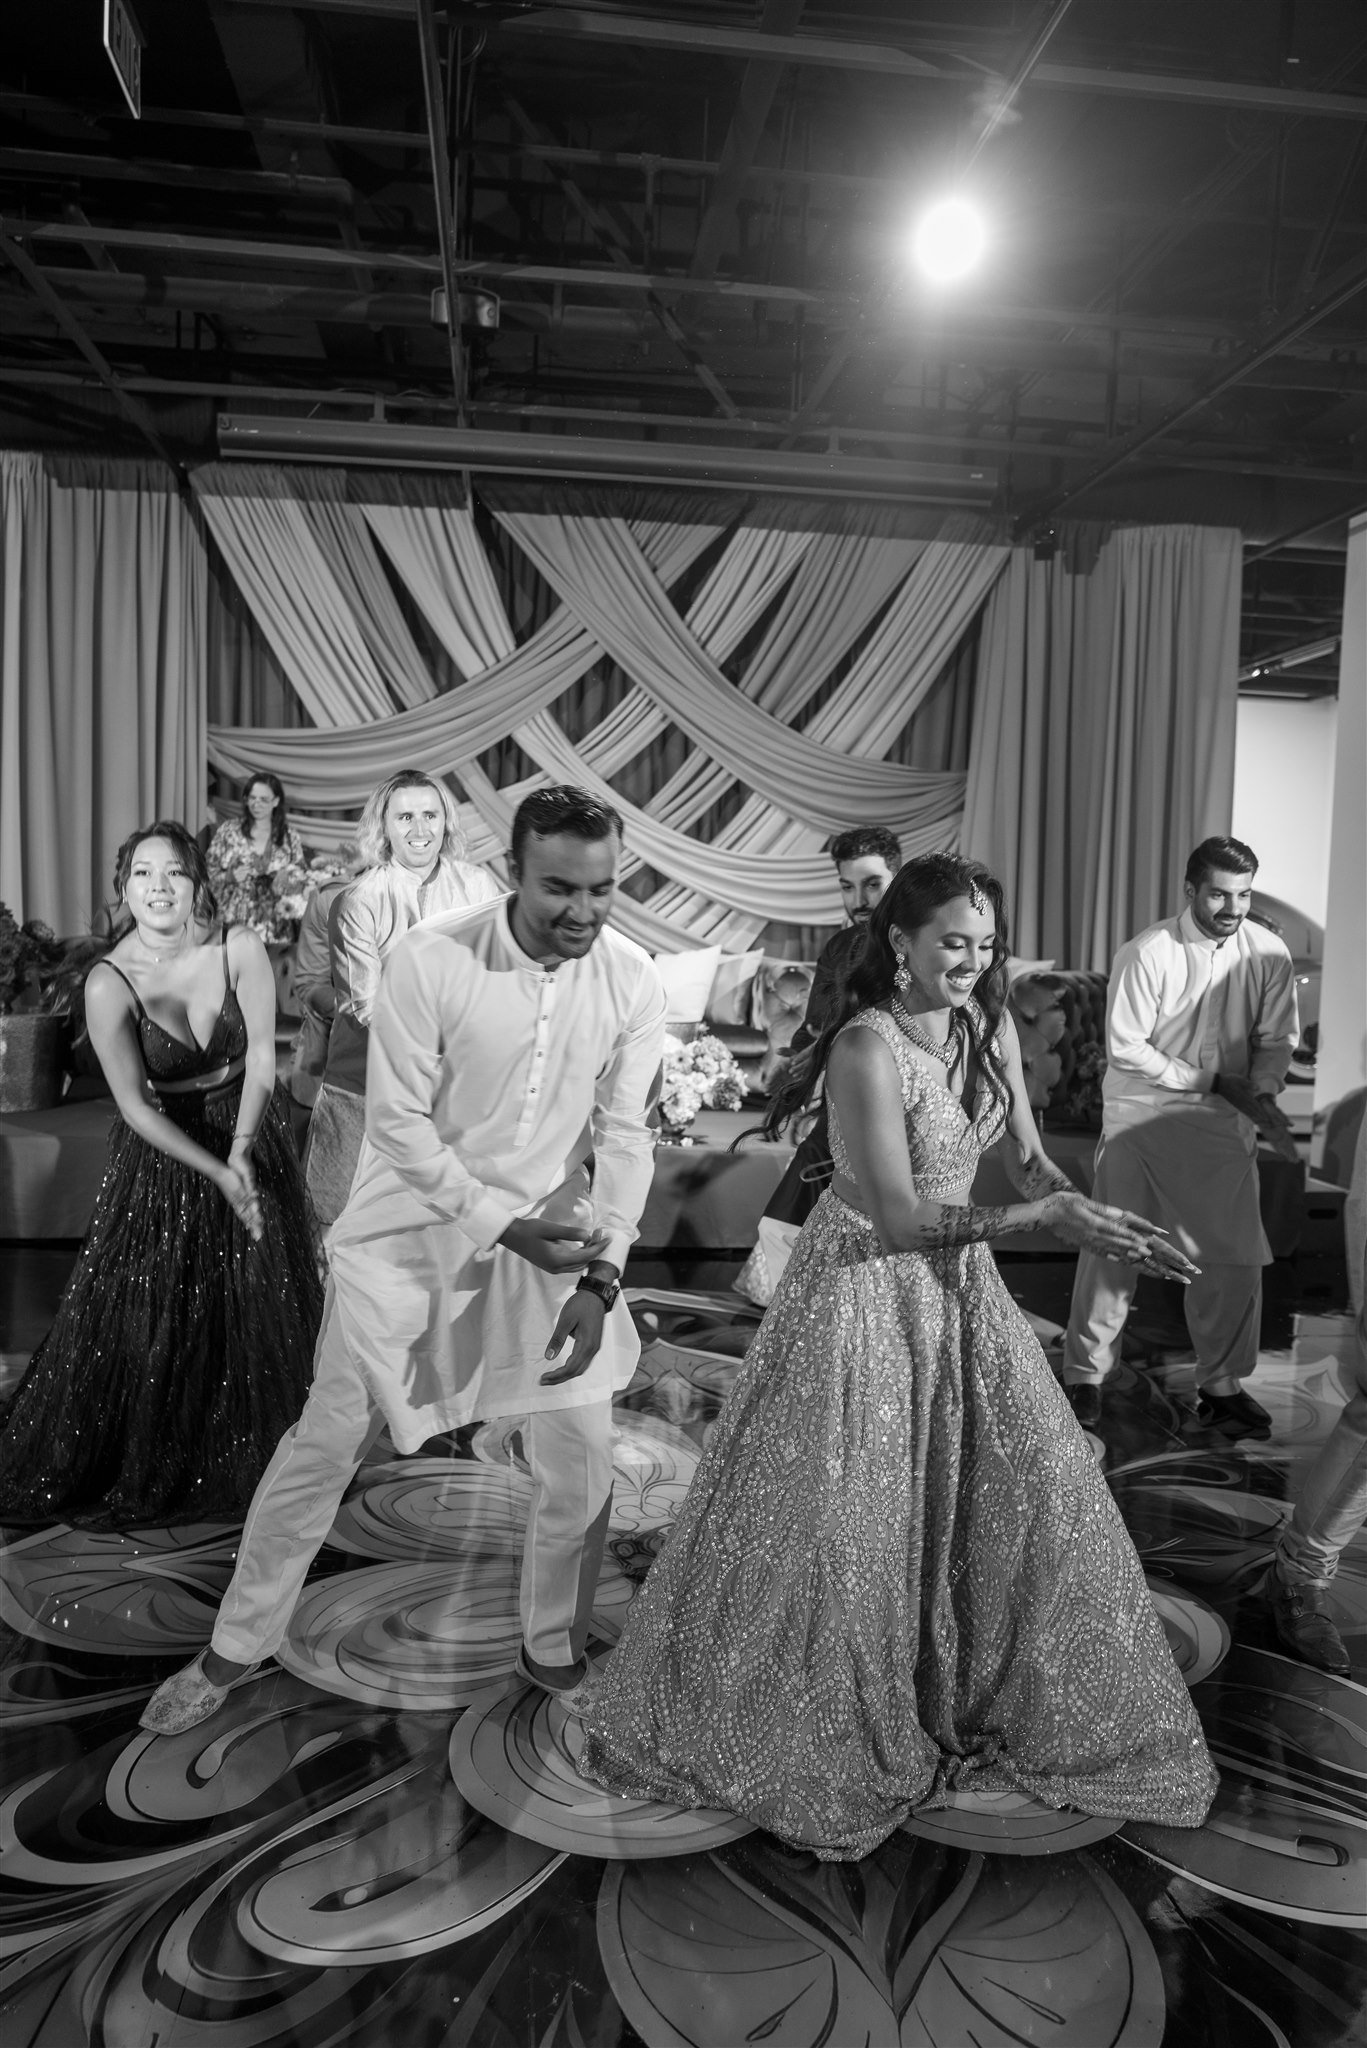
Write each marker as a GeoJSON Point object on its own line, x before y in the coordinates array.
{"type": "Point", "coordinates": [1181, 1008]}
{"type": "Point", "coordinates": [385, 902]}
{"type": "Point", "coordinates": [495, 1089]}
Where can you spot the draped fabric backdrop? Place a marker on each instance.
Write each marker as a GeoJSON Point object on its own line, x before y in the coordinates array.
{"type": "Point", "coordinates": [807, 598]}
{"type": "Point", "coordinates": [742, 679]}
{"type": "Point", "coordinates": [102, 611]}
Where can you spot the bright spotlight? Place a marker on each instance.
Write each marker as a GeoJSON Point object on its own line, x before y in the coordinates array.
{"type": "Point", "coordinates": [950, 240]}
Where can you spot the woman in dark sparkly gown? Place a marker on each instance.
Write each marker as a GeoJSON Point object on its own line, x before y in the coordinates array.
{"type": "Point", "coordinates": [183, 1345]}
{"type": "Point", "coordinates": [898, 1574]}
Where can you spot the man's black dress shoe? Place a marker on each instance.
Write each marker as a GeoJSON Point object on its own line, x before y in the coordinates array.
{"type": "Point", "coordinates": [1234, 1415]}
{"type": "Point", "coordinates": [1302, 1623]}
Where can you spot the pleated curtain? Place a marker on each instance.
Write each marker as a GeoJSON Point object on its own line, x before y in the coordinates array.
{"type": "Point", "coordinates": [102, 661]}
{"type": "Point", "coordinates": [1103, 735]}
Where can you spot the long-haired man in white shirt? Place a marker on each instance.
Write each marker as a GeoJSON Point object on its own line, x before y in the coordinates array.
{"type": "Point", "coordinates": [515, 1051]}
{"type": "Point", "coordinates": [1200, 1029]}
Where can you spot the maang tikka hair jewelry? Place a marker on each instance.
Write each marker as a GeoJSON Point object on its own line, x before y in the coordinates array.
{"type": "Point", "coordinates": [978, 897]}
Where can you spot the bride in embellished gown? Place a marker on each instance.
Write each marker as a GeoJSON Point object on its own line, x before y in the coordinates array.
{"type": "Point", "coordinates": [898, 1573]}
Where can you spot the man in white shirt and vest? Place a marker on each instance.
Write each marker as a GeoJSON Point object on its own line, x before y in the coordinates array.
{"type": "Point", "coordinates": [515, 1050]}
{"type": "Point", "coordinates": [1200, 1029]}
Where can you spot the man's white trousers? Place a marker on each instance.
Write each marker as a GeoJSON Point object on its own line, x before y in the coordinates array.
{"type": "Point", "coordinates": [569, 1451]}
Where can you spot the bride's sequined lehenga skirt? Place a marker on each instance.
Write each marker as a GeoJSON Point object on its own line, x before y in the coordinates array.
{"type": "Point", "coordinates": [898, 1573]}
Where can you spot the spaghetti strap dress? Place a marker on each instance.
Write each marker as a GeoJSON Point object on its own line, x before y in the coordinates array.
{"type": "Point", "coordinates": [898, 1574]}
{"type": "Point", "coordinates": [181, 1350]}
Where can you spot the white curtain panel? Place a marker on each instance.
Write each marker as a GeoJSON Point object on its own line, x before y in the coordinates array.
{"type": "Point", "coordinates": [1103, 734]}
{"type": "Point", "coordinates": [103, 600]}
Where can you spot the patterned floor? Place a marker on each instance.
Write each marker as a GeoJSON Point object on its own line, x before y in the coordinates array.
{"type": "Point", "coordinates": [385, 1841]}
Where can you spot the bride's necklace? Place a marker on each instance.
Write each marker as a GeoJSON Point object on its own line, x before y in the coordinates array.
{"type": "Point", "coordinates": [946, 1051]}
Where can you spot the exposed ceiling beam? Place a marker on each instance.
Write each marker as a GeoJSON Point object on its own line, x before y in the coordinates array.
{"type": "Point", "coordinates": [688, 428]}
{"type": "Point", "coordinates": [1285, 541]}
{"type": "Point", "coordinates": [434, 101]}
{"type": "Point", "coordinates": [1198, 208]}
{"type": "Point", "coordinates": [1004, 101]}
{"type": "Point", "coordinates": [1349, 182]}
{"type": "Point", "coordinates": [758, 84]}
{"type": "Point", "coordinates": [1291, 657]}
{"type": "Point", "coordinates": [415, 139]}
{"type": "Point", "coordinates": [609, 236]}
{"type": "Point", "coordinates": [64, 164]}
{"type": "Point", "coordinates": [986, 325]}
{"type": "Point", "coordinates": [833, 53]}
{"type": "Point", "coordinates": [1344, 286]}
{"type": "Point", "coordinates": [132, 409]}
{"type": "Point", "coordinates": [102, 113]}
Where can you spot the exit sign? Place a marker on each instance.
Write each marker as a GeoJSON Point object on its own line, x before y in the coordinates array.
{"type": "Point", "coordinates": [123, 39]}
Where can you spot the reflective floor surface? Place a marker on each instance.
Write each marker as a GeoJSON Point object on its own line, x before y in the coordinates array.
{"type": "Point", "coordinates": [385, 1841]}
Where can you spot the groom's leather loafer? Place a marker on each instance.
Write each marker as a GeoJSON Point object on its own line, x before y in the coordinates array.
{"type": "Point", "coordinates": [1234, 1415]}
{"type": "Point", "coordinates": [186, 1698]}
{"type": "Point", "coordinates": [1304, 1626]}
{"type": "Point", "coordinates": [568, 1693]}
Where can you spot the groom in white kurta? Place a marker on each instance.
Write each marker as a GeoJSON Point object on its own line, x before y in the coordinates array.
{"type": "Point", "coordinates": [514, 1055]}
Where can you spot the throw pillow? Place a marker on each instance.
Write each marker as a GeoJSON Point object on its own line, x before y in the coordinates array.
{"type": "Point", "coordinates": [733, 988]}
{"type": "Point", "coordinates": [688, 980]}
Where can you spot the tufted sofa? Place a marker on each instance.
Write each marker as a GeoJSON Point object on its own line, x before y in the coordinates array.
{"type": "Point", "coordinates": [1061, 1018]}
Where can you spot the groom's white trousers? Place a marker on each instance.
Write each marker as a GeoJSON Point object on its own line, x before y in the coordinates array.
{"type": "Point", "coordinates": [570, 1454]}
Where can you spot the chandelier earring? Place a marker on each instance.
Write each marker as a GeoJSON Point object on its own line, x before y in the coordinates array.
{"type": "Point", "coordinates": [902, 979]}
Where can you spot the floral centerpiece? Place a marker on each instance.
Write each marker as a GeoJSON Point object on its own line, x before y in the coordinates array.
{"type": "Point", "coordinates": [30, 956]}
{"type": "Point", "coordinates": [32, 996]}
{"type": "Point", "coordinates": [291, 883]}
{"type": "Point", "coordinates": [698, 1074]}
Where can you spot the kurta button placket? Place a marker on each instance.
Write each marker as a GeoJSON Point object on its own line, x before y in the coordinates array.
{"type": "Point", "coordinates": [537, 1065]}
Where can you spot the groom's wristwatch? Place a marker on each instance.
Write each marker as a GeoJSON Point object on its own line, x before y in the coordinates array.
{"type": "Point", "coordinates": [607, 1291]}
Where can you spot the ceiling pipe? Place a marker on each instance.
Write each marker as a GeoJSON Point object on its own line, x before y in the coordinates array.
{"type": "Point", "coordinates": [382, 444]}
{"type": "Point", "coordinates": [1294, 657]}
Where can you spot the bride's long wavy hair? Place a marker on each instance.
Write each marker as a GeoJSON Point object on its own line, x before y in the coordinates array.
{"type": "Point", "coordinates": [913, 896]}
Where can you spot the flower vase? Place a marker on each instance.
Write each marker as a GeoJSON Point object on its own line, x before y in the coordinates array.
{"type": "Point", "coordinates": [30, 1061]}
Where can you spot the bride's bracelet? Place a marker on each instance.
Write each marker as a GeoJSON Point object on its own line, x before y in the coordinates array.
{"type": "Point", "coordinates": [244, 1137]}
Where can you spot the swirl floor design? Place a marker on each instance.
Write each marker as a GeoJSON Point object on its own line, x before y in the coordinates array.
{"type": "Point", "coordinates": [383, 1839]}
{"type": "Point", "coordinates": [515, 1762]}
